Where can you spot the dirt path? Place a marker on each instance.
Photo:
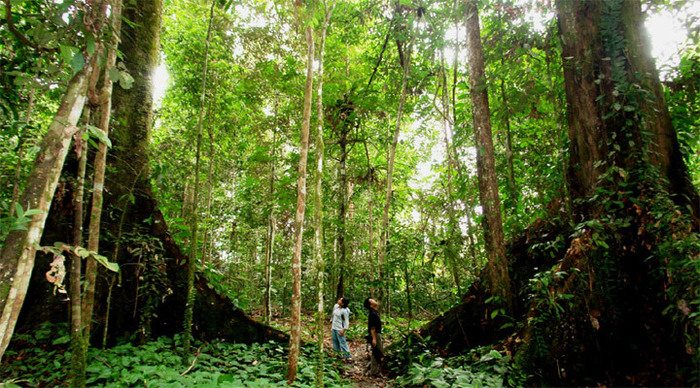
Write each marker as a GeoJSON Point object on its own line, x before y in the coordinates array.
{"type": "Point", "coordinates": [356, 368]}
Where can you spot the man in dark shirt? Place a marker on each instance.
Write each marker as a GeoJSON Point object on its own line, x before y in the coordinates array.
{"type": "Point", "coordinates": [374, 336]}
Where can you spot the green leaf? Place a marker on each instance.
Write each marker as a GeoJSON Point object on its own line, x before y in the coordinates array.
{"type": "Point", "coordinates": [99, 135]}
{"type": "Point", "coordinates": [77, 63]}
{"type": "Point", "coordinates": [61, 340]}
{"type": "Point", "coordinates": [114, 267]}
{"type": "Point", "coordinates": [82, 252]}
{"type": "Point", "coordinates": [19, 212]}
{"type": "Point", "coordinates": [114, 75]}
{"type": "Point", "coordinates": [126, 80]}
{"type": "Point", "coordinates": [90, 45]}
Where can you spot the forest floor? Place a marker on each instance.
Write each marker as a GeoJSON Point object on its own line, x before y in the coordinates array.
{"type": "Point", "coordinates": [356, 368]}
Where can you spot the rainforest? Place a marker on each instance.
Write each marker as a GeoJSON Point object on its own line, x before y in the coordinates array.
{"type": "Point", "coordinates": [349, 193]}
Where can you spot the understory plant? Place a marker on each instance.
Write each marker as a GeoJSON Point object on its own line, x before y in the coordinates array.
{"type": "Point", "coordinates": [40, 358]}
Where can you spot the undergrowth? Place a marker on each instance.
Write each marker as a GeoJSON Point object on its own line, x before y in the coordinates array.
{"type": "Point", "coordinates": [480, 367]}
{"type": "Point", "coordinates": [44, 360]}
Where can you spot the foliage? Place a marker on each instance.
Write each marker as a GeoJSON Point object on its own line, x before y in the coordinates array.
{"type": "Point", "coordinates": [41, 355]}
{"type": "Point", "coordinates": [480, 367]}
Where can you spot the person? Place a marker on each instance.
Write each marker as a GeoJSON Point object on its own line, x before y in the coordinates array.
{"type": "Point", "coordinates": [374, 336]}
{"type": "Point", "coordinates": [339, 324]}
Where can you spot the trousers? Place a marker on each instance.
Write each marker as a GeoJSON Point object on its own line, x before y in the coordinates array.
{"type": "Point", "coordinates": [340, 343]}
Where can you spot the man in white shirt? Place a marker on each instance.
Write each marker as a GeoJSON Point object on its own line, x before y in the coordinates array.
{"type": "Point", "coordinates": [339, 323]}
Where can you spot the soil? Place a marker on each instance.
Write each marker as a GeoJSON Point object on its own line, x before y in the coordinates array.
{"type": "Point", "coordinates": [356, 368]}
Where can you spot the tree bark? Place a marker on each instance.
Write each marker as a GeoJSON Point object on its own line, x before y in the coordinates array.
{"type": "Point", "coordinates": [318, 199]}
{"type": "Point", "coordinates": [19, 249]}
{"type": "Point", "coordinates": [342, 207]}
{"type": "Point", "coordinates": [295, 337]}
{"type": "Point", "coordinates": [271, 225]}
{"type": "Point", "coordinates": [78, 361]}
{"type": "Point", "coordinates": [488, 183]}
{"type": "Point", "coordinates": [100, 164]}
{"type": "Point", "coordinates": [384, 237]}
{"type": "Point", "coordinates": [588, 75]}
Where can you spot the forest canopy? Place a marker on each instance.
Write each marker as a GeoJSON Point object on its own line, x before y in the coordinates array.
{"type": "Point", "coordinates": [515, 181]}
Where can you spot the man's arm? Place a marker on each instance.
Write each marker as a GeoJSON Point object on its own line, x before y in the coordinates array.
{"type": "Point", "coordinates": [345, 320]}
{"type": "Point", "coordinates": [373, 331]}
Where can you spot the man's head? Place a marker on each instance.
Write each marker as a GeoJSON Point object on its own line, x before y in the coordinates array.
{"type": "Point", "coordinates": [371, 304]}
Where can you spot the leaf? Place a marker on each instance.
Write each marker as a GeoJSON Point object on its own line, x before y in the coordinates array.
{"type": "Point", "coordinates": [90, 45]}
{"type": "Point", "coordinates": [114, 75]}
{"type": "Point", "coordinates": [61, 340]}
{"type": "Point", "coordinates": [114, 267]}
{"type": "Point", "coordinates": [77, 63]}
{"type": "Point", "coordinates": [19, 211]}
{"type": "Point", "coordinates": [126, 81]}
{"type": "Point", "coordinates": [99, 135]}
{"type": "Point", "coordinates": [67, 52]}
{"type": "Point", "coordinates": [82, 252]}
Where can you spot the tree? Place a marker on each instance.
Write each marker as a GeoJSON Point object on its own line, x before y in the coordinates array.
{"type": "Point", "coordinates": [295, 337]}
{"type": "Point", "coordinates": [20, 245]}
{"type": "Point", "coordinates": [405, 52]}
{"type": "Point", "coordinates": [192, 264]}
{"type": "Point", "coordinates": [499, 279]}
{"type": "Point", "coordinates": [318, 195]}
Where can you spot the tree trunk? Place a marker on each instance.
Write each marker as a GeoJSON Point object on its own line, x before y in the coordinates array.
{"type": "Point", "coordinates": [512, 191]}
{"type": "Point", "coordinates": [19, 248]}
{"type": "Point", "coordinates": [78, 361]}
{"type": "Point", "coordinates": [342, 207]}
{"type": "Point", "coordinates": [271, 224]}
{"type": "Point", "coordinates": [318, 200]}
{"type": "Point", "coordinates": [486, 172]}
{"type": "Point", "coordinates": [99, 166]}
{"type": "Point", "coordinates": [586, 72]}
{"type": "Point", "coordinates": [192, 263]}
{"type": "Point", "coordinates": [384, 237]}
{"type": "Point", "coordinates": [207, 239]}
{"type": "Point", "coordinates": [294, 338]}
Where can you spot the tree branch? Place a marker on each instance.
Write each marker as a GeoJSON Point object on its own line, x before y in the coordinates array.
{"type": "Point", "coordinates": [21, 37]}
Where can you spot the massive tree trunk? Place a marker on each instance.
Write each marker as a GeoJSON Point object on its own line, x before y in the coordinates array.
{"type": "Point", "coordinates": [609, 305]}
{"type": "Point", "coordinates": [499, 281]}
{"type": "Point", "coordinates": [591, 76]}
{"type": "Point", "coordinates": [132, 218]}
{"type": "Point", "coordinates": [134, 212]}
{"type": "Point", "coordinates": [625, 266]}
{"type": "Point", "coordinates": [295, 337]}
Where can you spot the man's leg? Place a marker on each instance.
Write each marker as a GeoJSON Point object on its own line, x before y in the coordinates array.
{"type": "Point", "coordinates": [375, 366]}
{"type": "Point", "coordinates": [336, 342]}
{"type": "Point", "coordinates": [344, 348]}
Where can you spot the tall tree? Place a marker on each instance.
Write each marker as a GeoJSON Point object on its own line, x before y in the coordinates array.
{"type": "Point", "coordinates": [585, 57]}
{"type": "Point", "coordinates": [19, 249]}
{"type": "Point", "coordinates": [627, 267]}
{"type": "Point", "coordinates": [295, 337]}
{"type": "Point", "coordinates": [405, 52]}
{"type": "Point", "coordinates": [485, 161]}
{"type": "Point", "coordinates": [318, 195]}
{"type": "Point", "coordinates": [99, 166]}
{"type": "Point", "coordinates": [192, 263]}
